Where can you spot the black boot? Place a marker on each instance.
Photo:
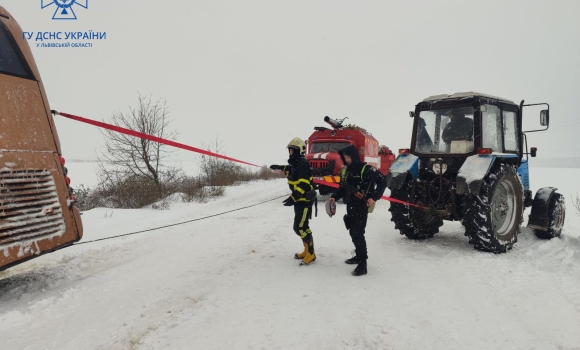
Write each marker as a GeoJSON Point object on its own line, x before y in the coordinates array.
{"type": "Point", "coordinates": [353, 260]}
{"type": "Point", "coordinates": [361, 269]}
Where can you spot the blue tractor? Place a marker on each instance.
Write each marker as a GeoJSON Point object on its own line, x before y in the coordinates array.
{"type": "Point", "coordinates": [468, 162]}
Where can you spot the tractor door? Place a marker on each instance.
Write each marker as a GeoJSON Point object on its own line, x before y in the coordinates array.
{"type": "Point", "coordinates": [491, 128]}
{"type": "Point", "coordinates": [499, 128]}
{"type": "Point", "coordinates": [511, 131]}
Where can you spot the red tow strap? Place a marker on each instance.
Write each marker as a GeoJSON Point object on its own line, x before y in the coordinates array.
{"type": "Point", "coordinates": [394, 200]}
{"type": "Point", "coordinates": [149, 137]}
{"type": "Point", "coordinates": [193, 149]}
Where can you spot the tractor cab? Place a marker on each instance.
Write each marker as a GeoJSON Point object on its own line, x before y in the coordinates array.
{"type": "Point", "coordinates": [450, 128]}
{"type": "Point", "coordinates": [468, 162]}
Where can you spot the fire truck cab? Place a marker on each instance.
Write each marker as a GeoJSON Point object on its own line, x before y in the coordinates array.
{"type": "Point", "coordinates": [324, 144]}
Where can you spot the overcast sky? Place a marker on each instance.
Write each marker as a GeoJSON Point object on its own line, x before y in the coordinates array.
{"type": "Point", "coordinates": [256, 73]}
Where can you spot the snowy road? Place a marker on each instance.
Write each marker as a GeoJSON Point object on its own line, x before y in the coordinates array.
{"type": "Point", "coordinates": [231, 283]}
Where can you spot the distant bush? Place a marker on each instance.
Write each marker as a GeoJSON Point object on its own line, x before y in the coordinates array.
{"type": "Point", "coordinates": [139, 192]}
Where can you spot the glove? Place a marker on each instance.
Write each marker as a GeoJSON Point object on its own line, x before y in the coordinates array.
{"type": "Point", "coordinates": [331, 208]}
{"type": "Point", "coordinates": [276, 167]}
{"type": "Point", "coordinates": [289, 202]}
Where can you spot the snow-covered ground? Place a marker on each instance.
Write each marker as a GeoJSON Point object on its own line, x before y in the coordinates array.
{"type": "Point", "coordinates": [231, 282]}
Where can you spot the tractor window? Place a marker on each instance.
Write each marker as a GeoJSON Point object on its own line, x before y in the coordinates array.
{"type": "Point", "coordinates": [320, 147]}
{"type": "Point", "coordinates": [445, 131]}
{"type": "Point", "coordinates": [491, 128]}
{"type": "Point", "coordinates": [510, 131]}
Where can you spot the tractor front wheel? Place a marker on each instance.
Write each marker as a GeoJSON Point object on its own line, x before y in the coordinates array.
{"type": "Point", "coordinates": [556, 216]}
{"type": "Point", "coordinates": [493, 218]}
{"type": "Point", "coordinates": [412, 222]}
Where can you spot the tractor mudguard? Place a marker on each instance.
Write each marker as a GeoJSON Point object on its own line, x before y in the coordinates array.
{"type": "Point", "coordinates": [524, 172]}
{"type": "Point", "coordinates": [404, 165]}
{"type": "Point", "coordinates": [472, 173]}
{"type": "Point", "coordinates": [475, 169]}
{"type": "Point", "coordinates": [539, 219]}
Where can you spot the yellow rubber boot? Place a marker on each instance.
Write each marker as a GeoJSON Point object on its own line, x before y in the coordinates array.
{"type": "Point", "coordinates": [310, 256]}
{"type": "Point", "coordinates": [303, 254]}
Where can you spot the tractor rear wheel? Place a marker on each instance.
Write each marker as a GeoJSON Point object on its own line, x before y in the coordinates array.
{"type": "Point", "coordinates": [412, 222]}
{"type": "Point", "coordinates": [493, 218]}
{"type": "Point", "coordinates": [556, 215]}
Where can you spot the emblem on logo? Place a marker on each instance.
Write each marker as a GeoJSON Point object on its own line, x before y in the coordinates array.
{"type": "Point", "coordinates": [64, 8]}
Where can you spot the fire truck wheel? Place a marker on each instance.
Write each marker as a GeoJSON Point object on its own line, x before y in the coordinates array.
{"type": "Point", "coordinates": [325, 190]}
{"type": "Point", "coordinates": [411, 222]}
{"type": "Point", "coordinates": [493, 218]}
{"type": "Point", "coordinates": [556, 215]}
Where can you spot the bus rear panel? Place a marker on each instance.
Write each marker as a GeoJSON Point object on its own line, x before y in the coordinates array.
{"type": "Point", "coordinates": [37, 214]}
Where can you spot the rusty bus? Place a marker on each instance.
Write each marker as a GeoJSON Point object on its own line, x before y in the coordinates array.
{"type": "Point", "coordinates": [37, 212]}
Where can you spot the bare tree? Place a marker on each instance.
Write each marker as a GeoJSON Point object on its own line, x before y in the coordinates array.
{"type": "Point", "coordinates": [132, 173]}
{"type": "Point", "coordinates": [576, 203]}
{"type": "Point", "coordinates": [127, 156]}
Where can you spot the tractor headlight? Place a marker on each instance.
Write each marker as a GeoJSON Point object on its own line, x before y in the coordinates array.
{"type": "Point", "coordinates": [439, 168]}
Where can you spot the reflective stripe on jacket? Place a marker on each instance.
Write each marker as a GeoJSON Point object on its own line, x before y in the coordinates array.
{"type": "Point", "coordinates": [299, 179]}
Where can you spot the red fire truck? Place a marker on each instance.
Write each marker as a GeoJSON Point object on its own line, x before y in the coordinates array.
{"type": "Point", "coordinates": [324, 144]}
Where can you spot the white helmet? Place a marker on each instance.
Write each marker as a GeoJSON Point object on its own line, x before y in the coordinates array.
{"type": "Point", "coordinates": [298, 144]}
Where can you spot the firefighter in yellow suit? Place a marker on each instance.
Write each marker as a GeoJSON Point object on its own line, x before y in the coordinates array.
{"type": "Point", "coordinates": [303, 195]}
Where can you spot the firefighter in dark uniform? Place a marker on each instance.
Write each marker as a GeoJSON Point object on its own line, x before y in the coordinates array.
{"type": "Point", "coordinates": [302, 197]}
{"type": "Point", "coordinates": [361, 186]}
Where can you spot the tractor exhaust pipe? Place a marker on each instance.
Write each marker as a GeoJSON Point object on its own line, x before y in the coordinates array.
{"type": "Point", "coordinates": [333, 123]}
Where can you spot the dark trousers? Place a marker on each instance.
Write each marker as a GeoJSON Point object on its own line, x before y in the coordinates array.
{"type": "Point", "coordinates": [356, 223]}
{"type": "Point", "coordinates": [302, 212]}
